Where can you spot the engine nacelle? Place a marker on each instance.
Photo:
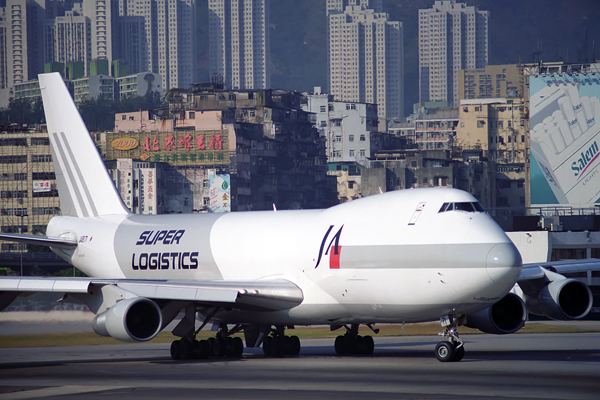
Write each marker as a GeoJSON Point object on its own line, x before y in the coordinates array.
{"type": "Point", "coordinates": [131, 320]}
{"type": "Point", "coordinates": [506, 316]}
{"type": "Point", "coordinates": [563, 299]}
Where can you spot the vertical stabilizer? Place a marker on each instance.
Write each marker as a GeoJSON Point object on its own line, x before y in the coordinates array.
{"type": "Point", "coordinates": [84, 186]}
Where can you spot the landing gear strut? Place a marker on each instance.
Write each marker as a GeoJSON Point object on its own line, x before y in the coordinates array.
{"type": "Point", "coordinates": [453, 349]}
{"type": "Point", "coordinates": [352, 343]}
{"type": "Point", "coordinates": [277, 344]}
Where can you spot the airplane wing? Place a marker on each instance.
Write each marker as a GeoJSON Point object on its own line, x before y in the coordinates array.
{"type": "Point", "coordinates": [534, 270]}
{"type": "Point", "coordinates": [62, 243]}
{"type": "Point", "coordinates": [263, 295]}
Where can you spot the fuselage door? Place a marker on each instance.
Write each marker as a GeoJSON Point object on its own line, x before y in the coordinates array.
{"type": "Point", "coordinates": [415, 216]}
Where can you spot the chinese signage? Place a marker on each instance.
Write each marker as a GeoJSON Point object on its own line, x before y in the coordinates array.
{"type": "Point", "coordinates": [124, 181]}
{"type": "Point", "coordinates": [41, 186]}
{"type": "Point", "coordinates": [147, 181]}
{"type": "Point", "coordinates": [174, 147]}
{"type": "Point", "coordinates": [220, 193]}
{"type": "Point", "coordinates": [565, 138]}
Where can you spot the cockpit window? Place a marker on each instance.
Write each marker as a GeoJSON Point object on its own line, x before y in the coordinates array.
{"type": "Point", "coordinates": [462, 206]}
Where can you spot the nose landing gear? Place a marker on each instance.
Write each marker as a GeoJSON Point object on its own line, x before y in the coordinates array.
{"type": "Point", "coordinates": [453, 349]}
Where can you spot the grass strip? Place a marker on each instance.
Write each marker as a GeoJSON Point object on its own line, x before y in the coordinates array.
{"type": "Point", "coordinates": [90, 338]}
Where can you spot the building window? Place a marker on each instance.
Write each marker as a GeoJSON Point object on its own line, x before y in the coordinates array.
{"type": "Point", "coordinates": [351, 153]}
{"type": "Point", "coordinates": [323, 124]}
{"type": "Point", "coordinates": [362, 138]}
{"type": "Point", "coordinates": [480, 124]}
{"type": "Point", "coordinates": [192, 115]}
{"type": "Point", "coordinates": [351, 138]}
{"type": "Point", "coordinates": [323, 109]}
{"type": "Point", "coordinates": [362, 152]}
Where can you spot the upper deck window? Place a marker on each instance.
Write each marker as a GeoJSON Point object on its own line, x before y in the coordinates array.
{"type": "Point", "coordinates": [463, 206]}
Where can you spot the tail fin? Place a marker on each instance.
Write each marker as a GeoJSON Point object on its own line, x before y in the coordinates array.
{"type": "Point", "coordinates": [84, 187]}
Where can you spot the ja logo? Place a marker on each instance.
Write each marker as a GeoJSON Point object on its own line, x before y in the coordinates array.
{"type": "Point", "coordinates": [333, 249]}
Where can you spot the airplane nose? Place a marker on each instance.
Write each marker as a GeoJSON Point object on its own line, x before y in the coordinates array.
{"type": "Point", "coordinates": [504, 263]}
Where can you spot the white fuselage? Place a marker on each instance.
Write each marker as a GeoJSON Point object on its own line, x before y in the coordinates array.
{"type": "Point", "coordinates": [387, 258]}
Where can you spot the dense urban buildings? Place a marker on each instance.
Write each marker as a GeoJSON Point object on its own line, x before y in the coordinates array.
{"type": "Point", "coordinates": [365, 56]}
{"type": "Point", "coordinates": [260, 143]}
{"type": "Point", "coordinates": [349, 128]}
{"type": "Point", "coordinates": [452, 36]}
{"type": "Point", "coordinates": [28, 195]}
{"type": "Point", "coordinates": [239, 47]}
{"type": "Point", "coordinates": [22, 24]}
{"type": "Point", "coordinates": [493, 81]}
{"type": "Point", "coordinates": [95, 37]}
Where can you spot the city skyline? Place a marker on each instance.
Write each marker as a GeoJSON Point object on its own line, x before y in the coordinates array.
{"type": "Point", "coordinates": [532, 30]}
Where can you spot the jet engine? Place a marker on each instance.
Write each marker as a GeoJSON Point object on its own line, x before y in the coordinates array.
{"type": "Point", "coordinates": [131, 320]}
{"type": "Point", "coordinates": [506, 316]}
{"type": "Point", "coordinates": [563, 299]}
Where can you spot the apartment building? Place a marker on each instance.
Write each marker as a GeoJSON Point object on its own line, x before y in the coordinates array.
{"type": "Point", "coordinates": [239, 45]}
{"type": "Point", "coordinates": [452, 36]}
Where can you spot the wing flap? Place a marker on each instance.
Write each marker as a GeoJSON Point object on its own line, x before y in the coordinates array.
{"type": "Point", "coordinates": [40, 284]}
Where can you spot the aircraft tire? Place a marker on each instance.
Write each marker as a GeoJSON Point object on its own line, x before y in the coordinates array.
{"type": "Point", "coordinates": [368, 345]}
{"type": "Point", "coordinates": [202, 349]}
{"type": "Point", "coordinates": [219, 347]}
{"type": "Point", "coordinates": [459, 353]}
{"type": "Point", "coordinates": [236, 347]}
{"type": "Point", "coordinates": [292, 345]}
{"type": "Point", "coordinates": [340, 345]}
{"type": "Point", "coordinates": [187, 349]}
{"type": "Point", "coordinates": [444, 351]}
{"type": "Point", "coordinates": [176, 350]}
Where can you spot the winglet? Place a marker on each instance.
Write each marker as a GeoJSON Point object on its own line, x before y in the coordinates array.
{"type": "Point", "coordinates": [84, 186]}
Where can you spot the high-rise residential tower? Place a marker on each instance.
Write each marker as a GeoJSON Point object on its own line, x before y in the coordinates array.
{"type": "Point", "coordinates": [22, 25]}
{"type": "Point", "coordinates": [365, 55]}
{"type": "Point", "coordinates": [452, 36]}
{"type": "Point", "coordinates": [72, 41]}
{"type": "Point", "coordinates": [239, 43]}
{"type": "Point", "coordinates": [168, 42]}
{"type": "Point", "coordinates": [103, 17]}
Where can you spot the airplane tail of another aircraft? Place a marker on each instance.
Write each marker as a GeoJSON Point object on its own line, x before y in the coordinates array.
{"type": "Point", "coordinates": [84, 186]}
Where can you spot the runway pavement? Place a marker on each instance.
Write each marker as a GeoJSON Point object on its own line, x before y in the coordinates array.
{"type": "Point", "coordinates": [540, 366]}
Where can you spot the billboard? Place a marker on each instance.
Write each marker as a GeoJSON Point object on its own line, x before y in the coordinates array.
{"type": "Point", "coordinates": [178, 148]}
{"type": "Point", "coordinates": [220, 193]}
{"type": "Point", "coordinates": [147, 182]}
{"type": "Point", "coordinates": [564, 121]}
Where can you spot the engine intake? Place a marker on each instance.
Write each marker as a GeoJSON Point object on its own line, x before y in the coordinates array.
{"type": "Point", "coordinates": [564, 299]}
{"type": "Point", "coordinates": [506, 316]}
{"type": "Point", "coordinates": [131, 320]}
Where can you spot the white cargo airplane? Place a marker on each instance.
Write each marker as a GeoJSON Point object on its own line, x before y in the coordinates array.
{"type": "Point", "coordinates": [405, 256]}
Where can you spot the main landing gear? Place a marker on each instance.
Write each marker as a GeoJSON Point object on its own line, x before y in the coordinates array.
{"type": "Point", "coordinates": [453, 349]}
{"type": "Point", "coordinates": [277, 344]}
{"type": "Point", "coordinates": [351, 343]}
{"type": "Point", "coordinates": [222, 345]}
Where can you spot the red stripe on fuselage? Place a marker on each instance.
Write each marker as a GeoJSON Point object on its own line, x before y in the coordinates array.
{"type": "Point", "coordinates": [334, 257]}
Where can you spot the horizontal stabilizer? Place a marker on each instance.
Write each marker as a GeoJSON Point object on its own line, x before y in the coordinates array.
{"type": "Point", "coordinates": [61, 243]}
